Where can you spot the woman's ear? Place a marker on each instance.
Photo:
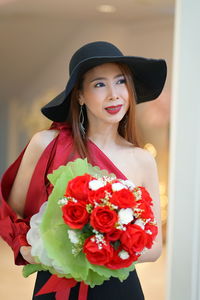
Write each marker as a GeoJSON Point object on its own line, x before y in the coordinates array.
{"type": "Point", "coordinates": [81, 99]}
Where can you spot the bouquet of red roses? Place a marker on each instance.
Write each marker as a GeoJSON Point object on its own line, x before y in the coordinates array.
{"type": "Point", "coordinates": [114, 219]}
{"type": "Point", "coordinates": [93, 225]}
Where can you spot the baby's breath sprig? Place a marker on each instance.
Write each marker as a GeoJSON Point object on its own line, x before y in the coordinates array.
{"type": "Point", "coordinates": [137, 212]}
{"type": "Point", "coordinates": [108, 195]}
{"type": "Point", "coordinates": [112, 206]}
{"type": "Point", "coordinates": [89, 208]}
{"type": "Point", "coordinates": [76, 240]}
{"type": "Point", "coordinates": [106, 200]}
{"type": "Point", "coordinates": [99, 239]}
{"type": "Point", "coordinates": [153, 222]}
{"type": "Point", "coordinates": [74, 200]}
{"type": "Point", "coordinates": [146, 221]}
{"type": "Point", "coordinates": [77, 248]}
{"type": "Point", "coordinates": [62, 201]}
{"type": "Point", "coordinates": [120, 226]}
{"type": "Point", "coordinates": [137, 193]}
{"type": "Point", "coordinates": [142, 252]}
{"type": "Point", "coordinates": [106, 179]}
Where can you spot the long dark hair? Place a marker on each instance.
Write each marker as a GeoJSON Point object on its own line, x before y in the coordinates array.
{"type": "Point", "coordinates": [127, 126]}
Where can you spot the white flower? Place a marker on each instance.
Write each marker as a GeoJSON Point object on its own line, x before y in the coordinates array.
{"type": "Point", "coordinates": [35, 240]}
{"type": "Point", "coordinates": [129, 184]}
{"type": "Point", "coordinates": [96, 184]}
{"type": "Point", "coordinates": [117, 186]}
{"type": "Point", "coordinates": [73, 236]}
{"type": "Point", "coordinates": [125, 215]}
{"type": "Point", "coordinates": [140, 223]}
{"type": "Point", "coordinates": [123, 254]}
{"type": "Point", "coordinates": [34, 237]}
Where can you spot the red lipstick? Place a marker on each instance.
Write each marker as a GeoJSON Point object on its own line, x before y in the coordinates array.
{"type": "Point", "coordinates": [113, 109]}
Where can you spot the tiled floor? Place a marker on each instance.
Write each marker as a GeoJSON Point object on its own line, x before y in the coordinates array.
{"type": "Point", "coordinates": [14, 286]}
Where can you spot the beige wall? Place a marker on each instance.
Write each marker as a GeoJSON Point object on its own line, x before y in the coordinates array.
{"type": "Point", "coordinates": [36, 53]}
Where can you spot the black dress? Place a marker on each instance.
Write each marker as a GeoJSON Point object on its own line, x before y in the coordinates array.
{"type": "Point", "coordinates": [129, 289]}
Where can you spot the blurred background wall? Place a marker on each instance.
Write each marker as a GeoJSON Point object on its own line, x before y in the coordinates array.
{"type": "Point", "coordinates": [37, 41]}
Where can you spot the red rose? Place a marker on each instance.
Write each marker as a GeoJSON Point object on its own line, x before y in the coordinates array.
{"type": "Point", "coordinates": [78, 187]}
{"type": "Point", "coordinates": [117, 263]}
{"type": "Point", "coordinates": [134, 239]}
{"type": "Point", "coordinates": [146, 212]}
{"type": "Point", "coordinates": [145, 195]}
{"type": "Point", "coordinates": [94, 254]}
{"type": "Point", "coordinates": [103, 219]}
{"type": "Point", "coordinates": [151, 237]}
{"type": "Point", "coordinates": [123, 199]}
{"type": "Point", "coordinates": [96, 196]}
{"type": "Point", "coordinates": [114, 235]}
{"type": "Point", "coordinates": [75, 214]}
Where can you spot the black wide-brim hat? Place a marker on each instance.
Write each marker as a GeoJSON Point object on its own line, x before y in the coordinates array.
{"type": "Point", "coordinates": [149, 75]}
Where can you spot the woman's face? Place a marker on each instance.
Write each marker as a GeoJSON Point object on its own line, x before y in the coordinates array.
{"type": "Point", "coordinates": [105, 94]}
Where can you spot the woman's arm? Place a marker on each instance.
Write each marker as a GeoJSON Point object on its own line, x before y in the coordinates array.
{"type": "Point", "coordinates": [30, 158]}
{"type": "Point", "coordinates": [151, 183]}
{"type": "Point", "coordinates": [17, 196]}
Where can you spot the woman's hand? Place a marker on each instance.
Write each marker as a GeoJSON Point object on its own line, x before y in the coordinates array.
{"type": "Point", "coordinates": [26, 253]}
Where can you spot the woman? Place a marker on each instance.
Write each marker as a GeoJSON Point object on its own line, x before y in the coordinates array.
{"type": "Point", "coordinates": [94, 117]}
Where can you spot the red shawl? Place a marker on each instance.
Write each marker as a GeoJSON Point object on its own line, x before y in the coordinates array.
{"type": "Point", "coordinates": [58, 152]}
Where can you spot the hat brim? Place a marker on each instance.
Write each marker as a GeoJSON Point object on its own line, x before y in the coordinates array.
{"type": "Point", "coordinates": [149, 77]}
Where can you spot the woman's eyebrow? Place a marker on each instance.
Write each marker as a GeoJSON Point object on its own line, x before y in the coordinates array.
{"type": "Point", "coordinates": [104, 78]}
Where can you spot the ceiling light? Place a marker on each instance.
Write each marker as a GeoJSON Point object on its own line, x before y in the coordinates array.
{"type": "Point", "coordinates": [105, 8]}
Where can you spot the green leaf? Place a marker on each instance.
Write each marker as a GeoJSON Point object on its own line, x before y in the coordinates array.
{"type": "Point", "coordinates": [32, 268]}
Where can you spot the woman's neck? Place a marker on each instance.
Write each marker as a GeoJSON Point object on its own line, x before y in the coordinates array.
{"type": "Point", "coordinates": [104, 136]}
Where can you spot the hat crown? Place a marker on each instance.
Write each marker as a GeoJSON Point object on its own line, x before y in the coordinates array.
{"type": "Point", "coordinates": [92, 50]}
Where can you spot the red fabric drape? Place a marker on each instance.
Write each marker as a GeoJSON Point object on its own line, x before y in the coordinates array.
{"type": "Point", "coordinates": [58, 152]}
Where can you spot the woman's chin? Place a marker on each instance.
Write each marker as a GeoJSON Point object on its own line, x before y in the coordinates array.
{"type": "Point", "coordinates": [106, 119]}
{"type": "Point", "coordinates": [115, 118]}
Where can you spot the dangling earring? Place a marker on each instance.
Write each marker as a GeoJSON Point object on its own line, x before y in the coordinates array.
{"type": "Point", "coordinates": [81, 120]}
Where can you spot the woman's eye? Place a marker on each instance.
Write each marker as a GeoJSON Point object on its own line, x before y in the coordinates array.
{"type": "Point", "coordinates": [99, 84]}
{"type": "Point", "coordinates": [121, 81]}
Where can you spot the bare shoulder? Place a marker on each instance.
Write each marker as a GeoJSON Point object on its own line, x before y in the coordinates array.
{"type": "Point", "coordinates": [148, 167]}
{"type": "Point", "coordinates": [37, 145]}
{"type": "Point", "coordinates": [141, 155]}
{"type": "Point", "coordinates": [144, 156]}
{"type": "Point", "coordinates": [41, 139]}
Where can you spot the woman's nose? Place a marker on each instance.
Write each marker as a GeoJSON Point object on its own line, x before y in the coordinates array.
{"type": "Point", "coordinates": [113, 95]}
